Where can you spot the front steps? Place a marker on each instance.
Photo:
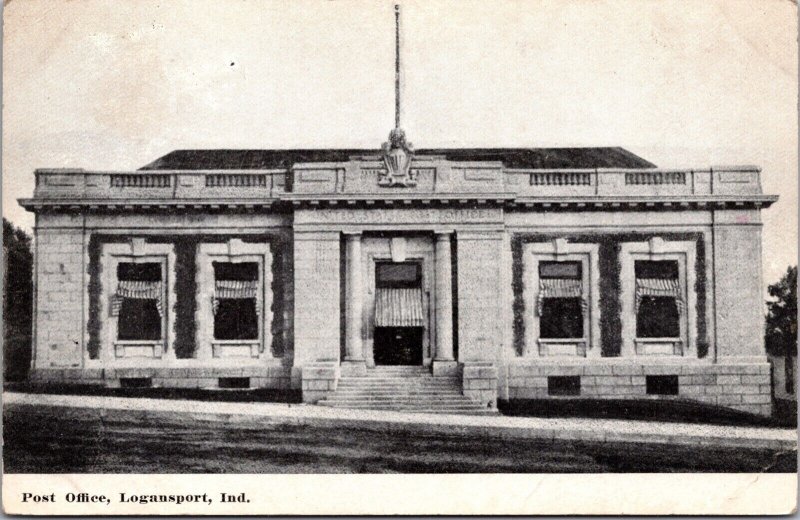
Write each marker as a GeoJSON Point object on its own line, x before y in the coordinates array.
{"type": "Point", "coordinates": [403, 389]}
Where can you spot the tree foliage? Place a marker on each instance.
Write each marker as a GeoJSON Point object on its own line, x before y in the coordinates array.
{"type": "Point", "coordinates": [17, 301]}
{"type": "Point", "coordinates": [781, 333]}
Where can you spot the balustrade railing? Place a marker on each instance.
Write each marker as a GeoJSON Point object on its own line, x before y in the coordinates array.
{"type": "Point", "coordinates": [654, 178]}
{"type": "Point", "coordinates": [141, 181]}
{"type": "Point", "coordinates": [561, 179]}
{"type": "Point", "coordinates": [239, 180]}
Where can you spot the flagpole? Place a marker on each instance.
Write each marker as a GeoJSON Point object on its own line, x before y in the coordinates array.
{"type": "Point", "coordinates": [397, 66]}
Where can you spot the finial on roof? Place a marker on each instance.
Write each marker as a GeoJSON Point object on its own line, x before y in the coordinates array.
{"type": "Point", "coordinates": [397, 152]}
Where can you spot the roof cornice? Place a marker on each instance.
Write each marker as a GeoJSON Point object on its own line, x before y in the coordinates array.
{"type": "Point", "coordinates": [506, 200]}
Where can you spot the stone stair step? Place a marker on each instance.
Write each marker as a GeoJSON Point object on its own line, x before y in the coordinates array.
{"type": "Point", "coordinates": [403, 393]}
{"type": "Point", "coordinates": [398, 381]}
{"type": "Point", "coordinates": [430, 406]}
{"type": "Point", "coordinates": [403, 388]}
{"type": "Point", "coordinates": [368, 379]}
{"type": "Point", "coordinates": [393, 401]}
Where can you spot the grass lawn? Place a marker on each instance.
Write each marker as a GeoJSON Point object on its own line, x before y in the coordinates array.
{"type": "Point", "coordinates": [784, 412]}
{"type": "Point", "coordinates": [58, 440]}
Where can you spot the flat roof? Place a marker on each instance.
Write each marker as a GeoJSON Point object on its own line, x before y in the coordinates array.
{"type": "Point", "coordinates": [537, 158]}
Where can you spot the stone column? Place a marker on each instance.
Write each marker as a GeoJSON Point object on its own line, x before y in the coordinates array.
{"type": "Point", "coordinates": [444, 363]}
{"type": "Point", "coordinates": [354, 363]}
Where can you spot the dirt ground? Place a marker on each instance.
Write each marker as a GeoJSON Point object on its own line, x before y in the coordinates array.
{"type": "Point", "coordinates": [50, 441]}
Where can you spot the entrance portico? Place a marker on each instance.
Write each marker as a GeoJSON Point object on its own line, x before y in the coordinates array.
{"type": "Point", "coordinates": [369, 240]}
{"type": "Point", "coordinates": [383, 303]}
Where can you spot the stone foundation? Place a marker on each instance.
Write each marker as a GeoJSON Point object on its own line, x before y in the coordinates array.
{"type": "Point", "coordinates": [480, 383]}
{"type": "Point", "coordinates": [319, 380]}
{"type": "Point", "coordinates": [744, 387]}
{"type": "Point", "coordinates": [259, 377]}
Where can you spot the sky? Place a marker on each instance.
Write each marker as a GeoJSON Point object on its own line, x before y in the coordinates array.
{"type": "Point", "coordinates": [112, 85]}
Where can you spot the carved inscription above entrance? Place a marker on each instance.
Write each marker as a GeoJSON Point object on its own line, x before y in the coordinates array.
{"type": "Point", "coordinates": [399, 216]}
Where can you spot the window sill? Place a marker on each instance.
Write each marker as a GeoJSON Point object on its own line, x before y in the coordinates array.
{"type": "Point", "coordinates": [247, 348]}
{"type": "Point", "coordinates": [572, 347]}
{"type": "Point", "coordinates": [153, 349]}
{"type": "Point", "coordinates": [659, 346]}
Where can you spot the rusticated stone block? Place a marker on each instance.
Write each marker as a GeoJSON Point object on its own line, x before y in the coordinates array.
{"type": "Point", "coordinates": [691, 390]}
{"type": "Point", "coordinates": [662, 370]}
{"type": "Point", "coordinates": [629, 390]}
{"type": "Point", "coordinates": [613, 380]}
{"type": "Point", "coordinates": [699, 379]}
{"type": "Point", "coordinates": [740, 389]}
{"type": "Point", "coordinates": [759, 379]}
{"type": "Point", "coordinates": [757, 399]}
{"type": "Point", "coordinates": [598, 370]}
{"type": "Point", "coordinates": [319, 380]}
{"type": "Point", "coordinates": [729, 399]}
{"type": "Point", "coordinates": [314, 396]}
{"type": "Point", "coordinates": [729, 379]}
{"type": "Point", "coordinates": [315, 384]}
{"type": "Point", "coordinates": [535, 382]}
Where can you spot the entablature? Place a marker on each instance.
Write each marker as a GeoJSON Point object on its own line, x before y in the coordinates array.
{"type": "Point", "coordinates": [431, 181]}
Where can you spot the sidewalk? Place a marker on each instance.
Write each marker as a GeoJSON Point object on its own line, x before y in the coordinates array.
{"type": "Point", "coordinates": [593, 430]}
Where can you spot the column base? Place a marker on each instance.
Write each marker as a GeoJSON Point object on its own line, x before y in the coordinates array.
{"type": "Point", "coordinates": [444, 368]}
{"type": "Point", "coordinates": [353, 368]}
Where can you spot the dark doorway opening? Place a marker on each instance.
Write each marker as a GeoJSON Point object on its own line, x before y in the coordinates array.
{"type": "Point", "coordinates": [398, 346]}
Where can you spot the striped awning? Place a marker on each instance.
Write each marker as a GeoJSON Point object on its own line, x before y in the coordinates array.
{"type": "Point", "coordinates": [664, 287]}
{"type": "Point", "coordinates": [399, 308]}
{"type": "Point", "coordinates": [560, 288]}
{"type": "Point", "coordinates": [137, 290]}
{"type": "Point", "coordinates": [234, 290]}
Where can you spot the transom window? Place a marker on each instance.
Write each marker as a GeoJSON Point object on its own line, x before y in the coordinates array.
{"type": "Point", "coordinates": [561, 304]}
{"type": "Point", "coordinates": [235, 301]}
{"type": "Point", "coordinates": [658, 299]}
{"type": "Point", "coordinates": [137, 303]}
{"type": "Point", "coordinates": [398, 275]}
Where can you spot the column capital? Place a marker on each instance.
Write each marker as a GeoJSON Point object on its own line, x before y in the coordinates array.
{"type": "Point", "coordinates": [443, 234]}
{"type": "Point", "coordinates": [352, 235]}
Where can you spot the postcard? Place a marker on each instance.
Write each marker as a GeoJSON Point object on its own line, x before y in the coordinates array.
{"type": "Point", "coordinates": [327, 258]}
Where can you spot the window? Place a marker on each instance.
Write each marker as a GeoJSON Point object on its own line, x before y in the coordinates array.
{"type": "Point", "coordinates": [658, 299]}
{"type": "Point", "coordinates": [235, 301]}
{"type": "Point", "coordinates": [564, 385]}
{"type": "Point", "coordinates": [398, 275]}
{"type": "Point", "coordinates": [561, 304]}
{"type": "Point", "coordinates": [137, 304]}
{"type": "Point", "coordinates": [661, 385]}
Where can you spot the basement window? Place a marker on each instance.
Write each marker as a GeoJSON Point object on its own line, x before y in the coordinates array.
{"type": "Point", "coordinates": [564, 385]}
{"type": "Point", "coordinates": [138, 301]}
{"type": "Point", "coordinates": [661, 385]}
{"type": "Point", "coordinates": [658, 299]}
{"type": "Point", "coordinates": [233, 382]}
{"type": "Point", "coordinates": [135, 382]}
{"type": "Point", "coordinates": [236, 300]}
{"type": "Point", "coordinates": [561, 304]}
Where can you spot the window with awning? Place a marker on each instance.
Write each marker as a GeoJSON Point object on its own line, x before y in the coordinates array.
{"type": "Point", "coordinates": [398, 295]}
{"type": "Point", "coordinates": [659, 300]}
{"type": "Point", "coordinates": [399, 307]}
{"type": "Point", "coordinates": [561, 305]}
{"type": "Point", "coordinates": [138, 302]}
{"type": "Point", "coordinates": [236, 303]}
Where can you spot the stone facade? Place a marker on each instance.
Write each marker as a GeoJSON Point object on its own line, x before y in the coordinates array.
{"type": "Point", "coordinates": [745, 387]}
{"type": "Point", "coordinates": [481, 229]}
